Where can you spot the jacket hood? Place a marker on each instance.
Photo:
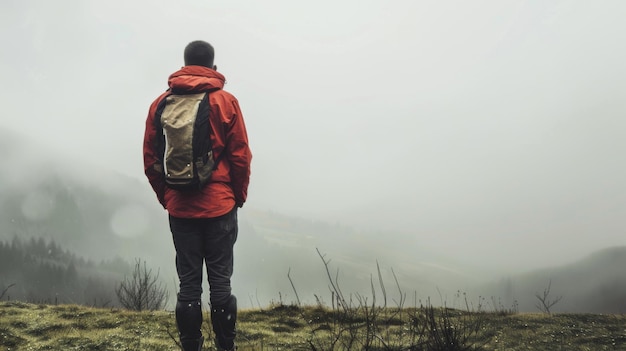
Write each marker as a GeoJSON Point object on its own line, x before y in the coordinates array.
{"type": "Point", "coordinates": [196, 79]}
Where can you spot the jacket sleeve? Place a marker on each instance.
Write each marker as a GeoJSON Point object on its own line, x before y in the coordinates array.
{"type": "Point", "coordinates": [238, 154]}
{"type": "Point", "coordinates": [153, 166]}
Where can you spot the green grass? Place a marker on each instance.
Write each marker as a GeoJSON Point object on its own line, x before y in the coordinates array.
{"type": "Point", "coordinates": [34, 327]}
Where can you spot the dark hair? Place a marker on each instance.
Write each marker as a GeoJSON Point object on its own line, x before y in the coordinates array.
{"type": "Point", "coordinates": [199, 53]}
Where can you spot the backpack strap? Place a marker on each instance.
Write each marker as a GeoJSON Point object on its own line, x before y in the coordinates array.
{"type": "Point", "coordinates": [220, 157]}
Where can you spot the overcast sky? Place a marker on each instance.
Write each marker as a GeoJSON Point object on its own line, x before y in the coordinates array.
{"type": "Point", "coordinates": [490, 127]}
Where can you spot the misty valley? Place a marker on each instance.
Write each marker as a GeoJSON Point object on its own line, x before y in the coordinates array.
{"type": "Point", "coordinates": [67, 238]}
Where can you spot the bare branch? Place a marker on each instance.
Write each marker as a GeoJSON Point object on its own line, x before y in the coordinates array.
{"type": "Point", "coordinates": [547, 303]}
{"type": "Point", "coordinates": [293, 286]}
{"type": "Point", "coordinates": [6, 289]}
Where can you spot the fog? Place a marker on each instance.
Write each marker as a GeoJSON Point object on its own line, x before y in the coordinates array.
{"type": "Point", "coordinates": [491, 131]}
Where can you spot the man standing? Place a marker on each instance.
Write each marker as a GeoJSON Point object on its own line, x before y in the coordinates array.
{"type": "Point", "coordinates": [203, 221]}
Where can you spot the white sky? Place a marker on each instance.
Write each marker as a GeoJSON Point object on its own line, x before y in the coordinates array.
{"type": "Point", "coordinates": [474, 127]}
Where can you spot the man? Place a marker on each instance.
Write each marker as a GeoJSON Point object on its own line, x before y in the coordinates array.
{"type": "Point", "coordinates": [203, 222]}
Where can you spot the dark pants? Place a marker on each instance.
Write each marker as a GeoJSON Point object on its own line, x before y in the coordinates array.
{"type": "Point", "coordinates": [200, 242]}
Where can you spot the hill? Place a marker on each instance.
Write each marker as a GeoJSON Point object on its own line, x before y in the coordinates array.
{"type": "Point", "coordinates": [47, 327]}
{"type": "Point", "coordinates": [594, 284]}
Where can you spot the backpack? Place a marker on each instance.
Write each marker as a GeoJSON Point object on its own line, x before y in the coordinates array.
{"type": "Point", "coordinates": [183, 130]}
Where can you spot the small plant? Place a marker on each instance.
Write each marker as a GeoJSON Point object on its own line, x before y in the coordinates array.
{"type": "Point", "coordinates": [502, 310]}
{"type": "Point", "coordinates": [448, 329]}
{"type": "Point", "coordinates": [545, 301]}
{"type": "Point", "coordinates": [142, 290]}
{"type": "Point", "coordinates": [357, 322]}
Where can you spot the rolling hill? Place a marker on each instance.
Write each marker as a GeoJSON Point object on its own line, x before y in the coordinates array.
{"type": "Point", "coordinates": [99, 215]}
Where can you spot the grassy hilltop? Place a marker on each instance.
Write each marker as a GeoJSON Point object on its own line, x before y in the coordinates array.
{"type": "Point", "coordinates": [34, 327]}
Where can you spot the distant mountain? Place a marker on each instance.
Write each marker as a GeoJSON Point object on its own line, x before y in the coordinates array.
{"type": "Point", "coordinates": [93, 212]}
{"type": "Point", "coordinates": [100, 214]}
{"type": "Point", "coordinates": [595, 284]}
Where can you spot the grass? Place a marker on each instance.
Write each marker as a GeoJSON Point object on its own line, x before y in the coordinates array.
{"type": "Point", "coordinates": [34, 327]}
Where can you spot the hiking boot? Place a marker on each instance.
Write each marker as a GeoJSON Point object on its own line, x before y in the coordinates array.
{"type": "Point", "coordinates": [217, 345]}
{"type": "Point", "coordinates": [192, 345]}
{"type": "Point", "coordinates": [224, 320]}
{"type": "Point", "coordinates": [188, 321]}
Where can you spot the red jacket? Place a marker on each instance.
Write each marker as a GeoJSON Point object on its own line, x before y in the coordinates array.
{"type": "Point", "coordinates": [229, 182]}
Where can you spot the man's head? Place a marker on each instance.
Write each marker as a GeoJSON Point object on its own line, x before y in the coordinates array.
{"type": "Point", "coordinates": [199, 53]}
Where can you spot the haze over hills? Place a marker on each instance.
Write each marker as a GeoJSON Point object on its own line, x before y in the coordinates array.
{"type": "Point", "coordinates": [99, 214]}
{"type": "Point", "coordinates": [596, 283]}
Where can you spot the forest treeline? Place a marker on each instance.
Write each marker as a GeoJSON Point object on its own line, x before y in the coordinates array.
{"type": "Point", "coordinates": [41, 271]}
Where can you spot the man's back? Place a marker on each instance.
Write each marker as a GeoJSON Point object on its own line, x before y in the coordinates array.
{"type": "Point", "coordinates": [229, 181]}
